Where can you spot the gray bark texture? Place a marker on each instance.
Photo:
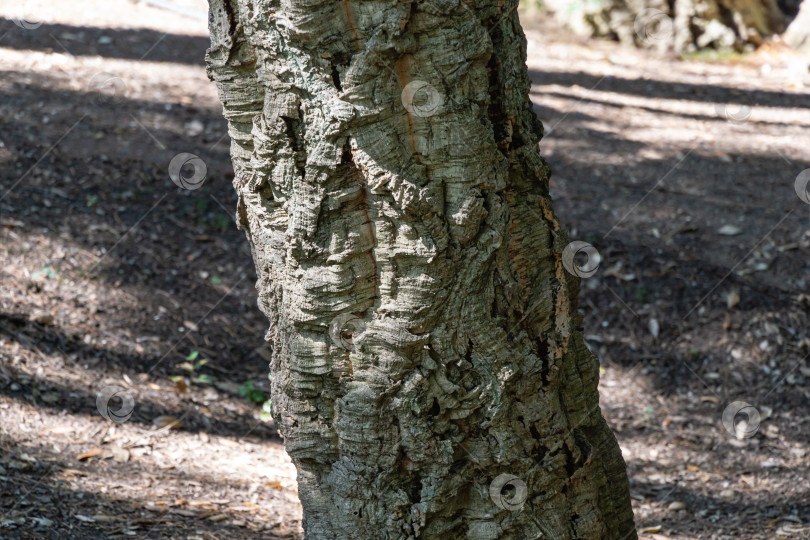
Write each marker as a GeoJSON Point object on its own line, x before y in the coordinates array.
{"type": "Point", "coordinates": [678, 25]}
{"type": "Point", "coordinates": [430, 376]}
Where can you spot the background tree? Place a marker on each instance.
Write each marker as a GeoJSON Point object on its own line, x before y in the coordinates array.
{"type": "Point", "coordinates": [798, 33]}
{"type": "Point", "coordinates": [679, 25]}
{"type": "Point", "coordinates": [430, 376]}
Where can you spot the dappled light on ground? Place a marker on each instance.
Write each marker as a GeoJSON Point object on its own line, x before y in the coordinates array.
{"type": "Point", "coordinates": [683, 175]}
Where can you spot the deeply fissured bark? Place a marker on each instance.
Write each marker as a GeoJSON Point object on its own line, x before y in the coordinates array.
{"type": "Point", "coordinates": [430, 376]}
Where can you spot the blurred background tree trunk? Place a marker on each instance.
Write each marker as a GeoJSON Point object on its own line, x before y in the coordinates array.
{"type": "Point", "coordinates": [680, 25]}
{"type": "Point", "coordinates": [430, 376]}
{"type": "Point", "coordinates": [798, 33]}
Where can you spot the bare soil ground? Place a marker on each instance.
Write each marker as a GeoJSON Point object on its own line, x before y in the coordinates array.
{"type": "Point", "coordinates": [681, 173]}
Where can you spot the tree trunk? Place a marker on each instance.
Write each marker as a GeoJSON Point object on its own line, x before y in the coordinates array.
{"type": "Point", "coordinates": [675, 25]}
{"type": "Point", "coordinates": [798, 33]}
{"type": "Point", "coordinates": [430, 376]}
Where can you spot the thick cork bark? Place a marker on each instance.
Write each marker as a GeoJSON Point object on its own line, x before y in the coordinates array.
{"type": "Point", "coordinates": [430, 376]}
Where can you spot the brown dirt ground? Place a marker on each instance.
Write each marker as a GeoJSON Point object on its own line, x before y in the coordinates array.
{"type": "Point", "coordinates": [112, 276]}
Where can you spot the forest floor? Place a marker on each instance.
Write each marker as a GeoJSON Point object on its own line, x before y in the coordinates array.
{"type": "Point", "coordinates": [680, 172]}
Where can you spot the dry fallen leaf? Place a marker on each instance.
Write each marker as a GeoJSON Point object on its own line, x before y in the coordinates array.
{"type": "Point", "coordinates": [95, 452]}
{"type": "Point", "coordinates": [181, 385]}
{"type": "Point", "coordinates": [11, 223]}
{"type": "Point", "coordinates": [729, 230]}
{"type": "Point", "coordinates": [615, 271]}
{"type": "Point", "coordinates": [185, 512]}
{"type": "Point", "coordinates": [121, 455]}
{"type": "Point", "coordinates": [42, 317]}
{"type": "Point", "coordinates": [787, 531]}
{"type": "Point", "coordinates": [167, 421]}
{"type": "Point", "coordinates": [654, 327]}
{"type": "Point", "coordinates": [732, 298]}
{"type": "Point", "coordinates": [69, 473]}
{"type": "Point", "coordinates": [191, 326]}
